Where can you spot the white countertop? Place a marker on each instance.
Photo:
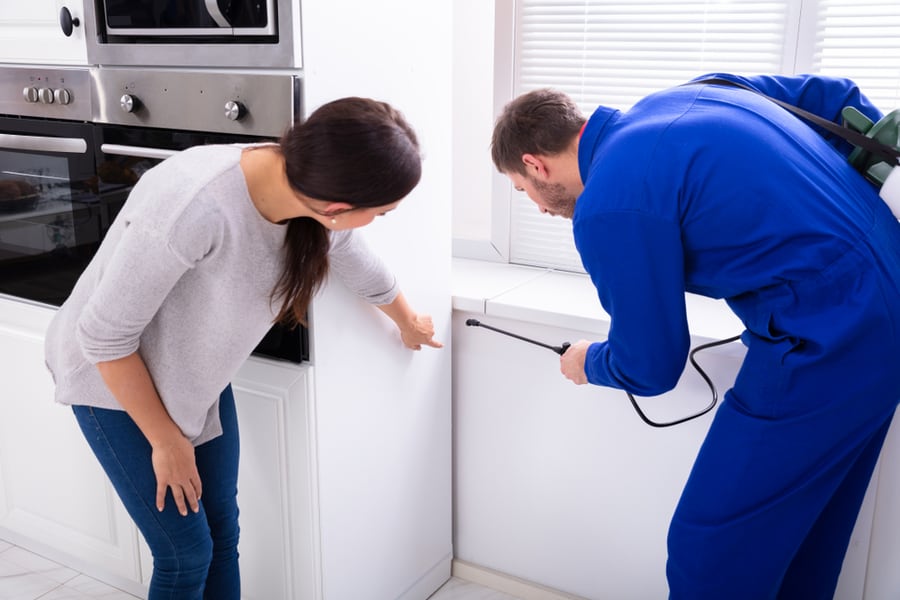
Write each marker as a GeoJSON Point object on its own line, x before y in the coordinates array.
{"type": "Point", "coordinates": [562, 299]}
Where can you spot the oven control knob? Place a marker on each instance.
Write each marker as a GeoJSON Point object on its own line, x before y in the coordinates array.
{"type": "Point", "coordinates": [45, 95]}
{"type": "Point", "coordinates": [129, 103]}
{"type": "Point", "coordinates": [30, 94]}
{"type": "Point", "coordinates": [62, 95]}
{"type": "Point", "coordinates": [234, 111]}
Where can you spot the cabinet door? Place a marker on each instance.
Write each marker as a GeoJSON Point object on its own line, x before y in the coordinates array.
{"type": "Point", "coordinates": [30, 32]}
{"type": "Point", "coordinates": [279, 550]}
{"type": "Point", "coordinates": [278, 546]}
{"type": "Point", "coordinates": [54, 497]}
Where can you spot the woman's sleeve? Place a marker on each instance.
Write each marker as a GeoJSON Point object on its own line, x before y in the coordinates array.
{"type": "Point", "coordinates": [134, 283]}
{"type": "Point", "coordinates": [360, 269]}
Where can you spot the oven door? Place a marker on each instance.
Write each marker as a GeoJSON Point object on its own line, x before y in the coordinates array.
{"type": "Point", "coordinates": [125, 153]}
{"type": "Point", "coordinates": [51, 221]}
{"type": "Point", "coordinates": [186, 18]}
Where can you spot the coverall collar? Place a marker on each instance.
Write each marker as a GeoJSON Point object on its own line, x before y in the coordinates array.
{"type": "Point", "coordinates": [591, 136]}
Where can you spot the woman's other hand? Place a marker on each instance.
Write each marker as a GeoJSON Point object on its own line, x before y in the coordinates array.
{"type": "Point", "coordinates": [173, 454]}
{"type": "Point", "coordinates": [176, 469]}
{"type": "Point", "coordinates": [419, 332]}
{"type": "Point", "coordinates": [415, 330]}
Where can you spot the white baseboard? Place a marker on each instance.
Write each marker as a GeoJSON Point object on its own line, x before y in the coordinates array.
{"type": "Point", "coordinates": [430, 581]}
{"type": "Point", "coordinates": [501, 582]}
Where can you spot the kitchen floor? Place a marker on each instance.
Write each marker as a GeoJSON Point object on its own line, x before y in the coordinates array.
{"type": "Point", "coordinates": [27, 576]}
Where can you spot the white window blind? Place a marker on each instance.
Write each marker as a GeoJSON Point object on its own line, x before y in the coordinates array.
{"type": "Point", "coordinates": [615, 52]}
{"type": "Point", "coordinates": [860, 39]}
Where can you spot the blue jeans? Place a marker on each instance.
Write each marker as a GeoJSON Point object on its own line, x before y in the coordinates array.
{"type": "Point", "coordinates": [194, 556]}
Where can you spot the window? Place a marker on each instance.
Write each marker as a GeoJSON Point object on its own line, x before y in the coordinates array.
{"type": "Point", "coordinates": [615, 52]}
{"type": "Point", "coordinates": [859, 39]}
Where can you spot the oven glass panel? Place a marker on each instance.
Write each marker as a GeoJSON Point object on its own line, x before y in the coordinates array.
{"type": "Point", "coordinates": [36, 204]}
{"type": "Point", "coordinates": [186, 14]}
{"type": "Point", "coordinates": [62, 185]}
{"type": "Point", "coordinates": [51, 221]}
{"type": "Point", "coordinates": [118, 170]}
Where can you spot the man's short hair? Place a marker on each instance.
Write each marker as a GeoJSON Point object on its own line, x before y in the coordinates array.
{"type": "Point", "coordinates": [541, 122]}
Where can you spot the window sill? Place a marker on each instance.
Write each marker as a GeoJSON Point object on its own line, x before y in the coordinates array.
{"type": "Point", "coordinates": [560, 299]}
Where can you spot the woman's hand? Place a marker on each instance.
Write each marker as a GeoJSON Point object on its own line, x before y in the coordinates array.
{"type": "Point", "coordinates": [173, 454]}
{"type": "Point", "coordinates": [418, 332]}
{"type": "Point", "coordinates": [176, 469]}
{"type": "Point", "coordinates": [415, 329]}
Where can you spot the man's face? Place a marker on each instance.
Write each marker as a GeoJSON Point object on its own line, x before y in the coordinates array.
{"type": "Point", "coordinates": [551, 198]}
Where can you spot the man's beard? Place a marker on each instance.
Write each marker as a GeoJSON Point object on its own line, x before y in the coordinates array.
{"type": "Point", "coordinates": [555, 198]}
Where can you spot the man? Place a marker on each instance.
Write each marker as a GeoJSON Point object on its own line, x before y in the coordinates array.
{"type": "Point", "coordinates": [718, 191]}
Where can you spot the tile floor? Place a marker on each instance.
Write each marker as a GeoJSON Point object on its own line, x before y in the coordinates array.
{"type": "Point", "coordinates": [27, 576]}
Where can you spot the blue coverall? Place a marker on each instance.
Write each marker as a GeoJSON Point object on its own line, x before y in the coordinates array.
{"type": "Point", "coordinates": [718, 191]}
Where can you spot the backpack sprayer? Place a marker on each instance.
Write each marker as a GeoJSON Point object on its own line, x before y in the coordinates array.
{"type": "Point", "coordinates": [879, 168]}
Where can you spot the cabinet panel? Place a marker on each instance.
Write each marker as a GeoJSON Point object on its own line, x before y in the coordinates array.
{"type": "Point", "coordinates": [30, 32]}
{"type": "Point", "coordinates": [277, 547]}
{"type": "Point", "coordinates": [53, 493]}
{"type": "Point", "coordinates": [881, 576]}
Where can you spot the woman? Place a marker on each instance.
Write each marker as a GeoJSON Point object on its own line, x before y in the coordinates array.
{"type": "Point", "coordinates": [212, 247]}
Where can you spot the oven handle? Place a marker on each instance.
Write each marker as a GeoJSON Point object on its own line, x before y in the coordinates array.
{"type": "Point", "coordinates": [137, 151]}
{"type": "Point", "coordinates": [37, 143]}
{"type": "Point", "coordinates": [212, 7]}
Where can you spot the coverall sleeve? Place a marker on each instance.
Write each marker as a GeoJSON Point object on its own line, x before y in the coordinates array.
{"type": "Point", "coordinates": [819, 94]}
{"type": "Point", "coordinates": [635, 261]}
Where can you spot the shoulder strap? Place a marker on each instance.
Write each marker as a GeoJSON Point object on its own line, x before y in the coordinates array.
{"type": "Point", "coordinates": [889, 154]}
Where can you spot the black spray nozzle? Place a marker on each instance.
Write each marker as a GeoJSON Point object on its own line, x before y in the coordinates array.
{"type": "Point", "coordinates": [558, 349]}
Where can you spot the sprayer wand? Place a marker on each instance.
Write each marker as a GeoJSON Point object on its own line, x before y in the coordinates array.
{"type": "Point", "coordinates": [565, 346]}
{"type": "Point", "coordinates": [558, 349]}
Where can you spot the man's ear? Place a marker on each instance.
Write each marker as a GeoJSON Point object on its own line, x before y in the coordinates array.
{"type": "Point", "coordinates": [535, 166]}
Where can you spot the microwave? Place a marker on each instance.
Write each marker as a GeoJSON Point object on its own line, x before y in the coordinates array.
{"type": "Point", "coordinates": [193, 33]}
{"type": "Point", "coordinates": [189, 18]}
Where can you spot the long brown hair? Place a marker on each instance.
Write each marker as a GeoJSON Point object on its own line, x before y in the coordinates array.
{"type": "Point", "coordinates": [353, 150]}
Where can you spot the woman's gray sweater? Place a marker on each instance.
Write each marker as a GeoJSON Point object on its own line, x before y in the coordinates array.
{"type": "Point", "coordinates": [185, 276]}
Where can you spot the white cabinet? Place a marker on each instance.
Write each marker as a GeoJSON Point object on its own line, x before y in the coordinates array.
{"type": "Point", "coordinates": [278, 550]}
{"type": "Point", "coordinates": [341, 496]}
{"type": "Point", "coordinates": [54, 498]}
{"type": "Point", "coordinates": [30, 32]}
{"type": "Point", "coordinates": [881, 576]}
{"type": "Point", "coordinates": [276, 484]}
{"type": "Point", "coordinates": [345, 481]}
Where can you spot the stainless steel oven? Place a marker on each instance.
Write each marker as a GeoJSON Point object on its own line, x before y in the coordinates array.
{"type": "Point", "coordinates": [199, 33]}
{"type": "Point", "coordinates": [51, 218]}
{"type": "Point", "coordinates": [73, 142]}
